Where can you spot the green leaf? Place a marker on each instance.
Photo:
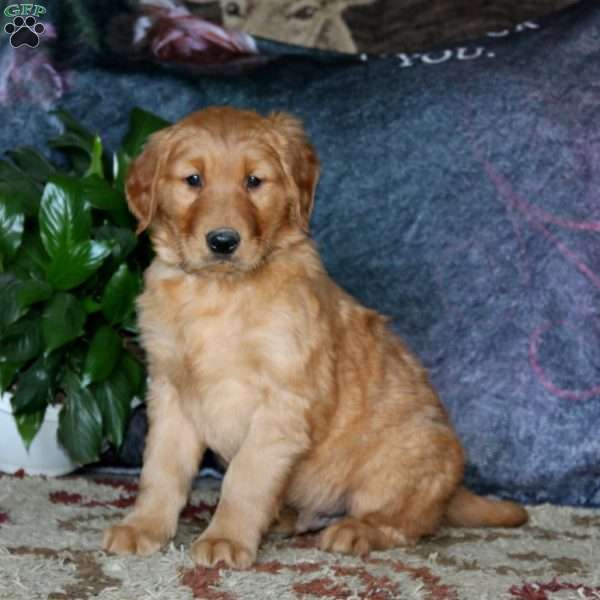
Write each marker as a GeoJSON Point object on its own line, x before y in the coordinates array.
{"type": "Point", "coordinates": [80, 159]}
{"type": "Point", "coordinates": [141, 125]}
{"type": "Point", "coordinates": [71, 124]}
{"type": "Point", "coordinates": [9, 311]}
{"type": "Point", "coordinates": [63, 320]}
{"type": "Point", "coordinates": [116, 394]}
{"type": "Point", "coordinates": [64, 220]}
{"type": "Point", "coordinates": [119, 295]}
{"type": "Point", "coordinates": [28, 425]}
{"type": "Point", "coordinates": [69, 139]}
{"type": "Point", "coordinates": [135, 373]}
{"type": "Point", "coordinates": [120, 167]}
{"type": "Point", "coordinates": [78, 263]}
{"type": "Point", "coordinates": [32, 291]}
{"type": "Point", "coordinates": [22, 340]}
{"type": "Point", "coordinates": [90, 305]}
{"type": "Point", "coordinates": [114, 400]}
{"type": "Point", "coordinates": [65, 225]}
{"type": "Point", "coordinates": [9, 171]}
{"type": "Point", "coordinates": [122, 240]}
{"type": "Point", "coordinates": [96, 167]}
{"type": "Point", "coordinates": [76, 353]}
{"type": "Point", "coordinates": [31, 260]}
{"type": "Point", "coordinates": [80, 424]}
{"type": "Point", "coordinates": [17, 296]}
{"type": "Point", "coordinates": [75, 141]}
{"type": "Point", "coordinates": [104, 352]}
{"type": "Point", "coordinates": [8, 370]}
{"type": "Point", "coordinates": [12, 221]}
{"type": "Point", "coordinates": [101, 195]}
{"type": "Point", "coordinates": [20, 188]}
{"type": "Point", "coordinates": [70, 382]}
{"type": "Point", "coordinates": [32, 163]}
{"type": "Point", "coordinates": [74, 135]}
{"type": "Point", "coordinates": [35, 386]}
{"type": "Point", "coordinates": [33, 391]}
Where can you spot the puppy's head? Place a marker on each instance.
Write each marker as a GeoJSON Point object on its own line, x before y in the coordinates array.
{"type": "Point", "coordinates": [224, 188]}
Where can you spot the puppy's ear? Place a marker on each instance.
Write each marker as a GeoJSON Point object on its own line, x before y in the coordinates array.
{"type": "Point", "coordinates": [301, 162]}
{"type": "Point", "coordinates": [143, 177]}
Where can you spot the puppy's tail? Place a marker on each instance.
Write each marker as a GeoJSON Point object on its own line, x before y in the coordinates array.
{"type": "Point", "coordinates": [469, 510]}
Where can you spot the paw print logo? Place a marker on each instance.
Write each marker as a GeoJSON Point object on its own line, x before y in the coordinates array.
{"type": "Point", "coordinates": [24, 32]}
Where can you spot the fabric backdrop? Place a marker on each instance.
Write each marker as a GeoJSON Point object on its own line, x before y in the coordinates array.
{"type": "Point", "coordinates": [460, 195]}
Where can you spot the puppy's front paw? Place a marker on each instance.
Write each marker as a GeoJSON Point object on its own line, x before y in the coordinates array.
{"type": "Point", "coordinates": [210, 550]}
{"type": "Point", "coordinates": [132, 539]}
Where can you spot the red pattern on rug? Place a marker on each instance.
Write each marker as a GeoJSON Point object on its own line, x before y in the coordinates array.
{"type": "Point", "coordinates": [126, 500]}
{"type": "Point", "coordinates": [62, 497]}
{"type": "Point", "coordinates": [374, 587]}
{"type": "Point", "coordinates": [130, 486]}
{"type": "Point", "coordinates": [202, 581]}
{"type": "Point", "coordinates": [274, 566]}
{"type": "Point", "coordinates": [431, 582]}
{"type": "Point", "coordinates": [537, 591]}
{"type": "Point", "coordinates": [324, 587]}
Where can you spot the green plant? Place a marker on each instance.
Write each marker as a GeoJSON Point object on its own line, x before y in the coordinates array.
{"type": "Point", "coordinates": [70, 269]}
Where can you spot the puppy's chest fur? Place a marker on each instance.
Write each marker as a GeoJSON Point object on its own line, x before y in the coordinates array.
{"type": "Point", "coordinates": [225, 350]}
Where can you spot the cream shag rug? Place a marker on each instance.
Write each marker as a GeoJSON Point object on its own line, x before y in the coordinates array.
{"type": "Point", "coordinates": [50, 532]}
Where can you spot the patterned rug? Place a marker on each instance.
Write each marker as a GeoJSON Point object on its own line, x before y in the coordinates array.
{"type": "Point", "coordinates": [50, 531]}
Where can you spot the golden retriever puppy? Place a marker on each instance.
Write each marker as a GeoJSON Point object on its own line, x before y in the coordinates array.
{"type": "Point", "coordinates": [256, 353]}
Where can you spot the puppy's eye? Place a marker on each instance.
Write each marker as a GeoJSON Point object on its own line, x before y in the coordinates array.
{"type": "Point", "coordinates": [194, 180]}
{"type": "Point", "coordinates": [252, 182]}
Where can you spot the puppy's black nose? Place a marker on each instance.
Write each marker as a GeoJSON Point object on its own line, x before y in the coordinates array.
{"type": "Point", "coordinates": [223, 241]}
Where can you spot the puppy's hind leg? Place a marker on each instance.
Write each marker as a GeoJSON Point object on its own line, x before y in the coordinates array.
{"type": "Point", "coordinates": [399, 494]}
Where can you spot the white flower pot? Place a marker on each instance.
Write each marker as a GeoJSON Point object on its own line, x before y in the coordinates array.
{"type": "Point", "coordinates": [45, 456]}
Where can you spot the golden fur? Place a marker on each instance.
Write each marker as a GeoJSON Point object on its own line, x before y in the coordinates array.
{"type": "Point", "coordinates": [313, 402]}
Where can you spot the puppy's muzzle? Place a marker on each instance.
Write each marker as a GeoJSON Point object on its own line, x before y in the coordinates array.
{"type": "Point", "coordinates": [223, 242]}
